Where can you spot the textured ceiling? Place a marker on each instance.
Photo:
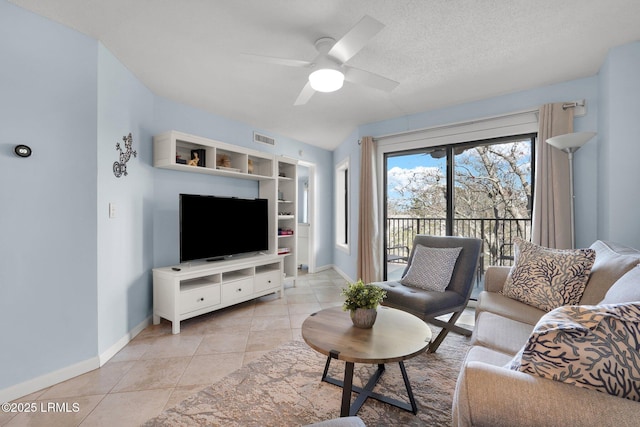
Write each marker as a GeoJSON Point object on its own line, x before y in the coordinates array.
{"type": "Point", "coordinates": [443, 52]}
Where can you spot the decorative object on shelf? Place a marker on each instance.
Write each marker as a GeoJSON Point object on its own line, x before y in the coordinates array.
{"type": "Point", "coordinates": [250, 166]}
{"type": "Point", "coordinates": [22, 150]}
{"type": "Point", "coordinates": [362, 301]}
{"type": "Point", "coordinates": [224, 161]}
{"type": "Point", "coordinates": [120, 167]}
{"type": "Point", "coordinates": [180, 160]}
{"type": "Point", "coordinates": [197, 158]}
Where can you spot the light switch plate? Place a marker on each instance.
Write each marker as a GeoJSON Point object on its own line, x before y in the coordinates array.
{"type": "Point", "coordinates": [112, 210]}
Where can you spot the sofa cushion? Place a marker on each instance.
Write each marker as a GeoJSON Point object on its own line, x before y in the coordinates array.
{"type": "Point", "coordinates": [508, 307]}
{"type": "Point", "coordinates": [626, 289]}
{"type": "Point", "coordinates": [593, 347]}
{"type": "Point", "coordinates": [431, 268]}
{"type": "Point", "coordinates": [548, 278]}
{"type": "Point", "coordinates": [499, 333]}
{"type": "Point", "coordinates": [611, 263]}
{"type": "Point", "coordinates": [482, 354]}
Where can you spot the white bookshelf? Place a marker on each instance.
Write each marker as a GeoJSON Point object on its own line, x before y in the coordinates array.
{"type": "Point", "coordinates": [287, 194]}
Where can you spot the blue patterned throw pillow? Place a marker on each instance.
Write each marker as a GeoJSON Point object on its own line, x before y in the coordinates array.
{"type": "Point", "coordinates": [593, 347]}
{"type": "Point", "coordinates": [431, 268]}
{"type": "Point", "coordinates": [548, 278]}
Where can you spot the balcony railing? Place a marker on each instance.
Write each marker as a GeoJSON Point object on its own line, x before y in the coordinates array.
{"type": "Point", "coordinates": [496, 234]}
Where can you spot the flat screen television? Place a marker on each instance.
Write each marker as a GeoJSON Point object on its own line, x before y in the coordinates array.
{"type": "Point", "coordinates": [215, 228]}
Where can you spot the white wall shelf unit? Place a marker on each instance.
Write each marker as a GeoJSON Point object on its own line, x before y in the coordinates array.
{"type": "Point", "coordinates": [208, 286]}
{"type": "Point", "coordinates": [172, 147]}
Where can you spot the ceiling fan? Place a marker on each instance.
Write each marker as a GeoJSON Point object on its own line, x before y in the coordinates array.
{"type": "Point", "coordinates": [329, 70]}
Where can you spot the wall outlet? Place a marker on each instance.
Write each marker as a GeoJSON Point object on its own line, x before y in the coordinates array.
{"type": "Point", "coordinates": [112, 210]}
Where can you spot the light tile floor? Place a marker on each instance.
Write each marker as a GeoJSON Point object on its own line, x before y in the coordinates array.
{"type": "Point", "coordinates": [157, 370]}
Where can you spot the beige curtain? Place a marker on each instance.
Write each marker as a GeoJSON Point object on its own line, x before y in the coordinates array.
{"type": "Point", "coordinates": [369, 268]}
{"type": "Point", "coordinates": [551, 222]}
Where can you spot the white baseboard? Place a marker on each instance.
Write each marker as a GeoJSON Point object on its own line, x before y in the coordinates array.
{"type": "Point", "coordinates": [322, 268]}
{"type": "Point", "coordinates": [52, 378]}
{"type": "Point", "coordinates": [47, 380]}
{"type": "Point", "coordinates": [343, 274]}
{"type": "Point", "coordinates": [334, 267]}
{"type": "Point", "coordinates": [122, 342]}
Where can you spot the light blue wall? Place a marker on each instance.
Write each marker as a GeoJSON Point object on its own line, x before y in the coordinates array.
{"type": "Point", "coordinates": [169, 184]}
{"type": "Point", "coordinates": [585, 159]}
{"type": "Point", "coordinates": [48, 291]}
{"type": "Point", "coordinates": [619, 148]}
{"type": "Point", "coordinates": [125, 243]}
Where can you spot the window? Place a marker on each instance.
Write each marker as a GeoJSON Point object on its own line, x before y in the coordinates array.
{"type": "Point", "coordinates": [477, 189]}
{"type": "Point", "coordinates": [342, 205]}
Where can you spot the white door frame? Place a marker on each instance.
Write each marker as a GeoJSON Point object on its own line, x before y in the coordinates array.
{"type": "Point", "coordinates": [311, 194]}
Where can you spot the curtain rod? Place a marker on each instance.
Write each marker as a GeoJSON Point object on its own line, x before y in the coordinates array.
{"type": "Point", "coordinates": [574, 104]}
{"type": "Point", "coordinates": [452, 125]}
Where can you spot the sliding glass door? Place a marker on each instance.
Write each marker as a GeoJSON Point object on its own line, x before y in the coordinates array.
{"type": "Point", "coordinates": [479, 189]}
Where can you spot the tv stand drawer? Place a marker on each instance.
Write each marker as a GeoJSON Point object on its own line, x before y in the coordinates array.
{"type": "Point", "coordinates": [197, 299]}
{"type": "Point", "coordinates": [267, 280]}
{"type": "Point", "coordinates": [238, 289]}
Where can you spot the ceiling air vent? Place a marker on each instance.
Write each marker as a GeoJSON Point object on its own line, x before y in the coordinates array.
{"type": "Point", "coordinates": [257, 137]}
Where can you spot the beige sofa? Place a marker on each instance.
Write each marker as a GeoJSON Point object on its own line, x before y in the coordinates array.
{"type": "Point", "coordinates": [489, 394]}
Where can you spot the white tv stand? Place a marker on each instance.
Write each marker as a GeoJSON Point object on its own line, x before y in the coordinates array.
{"type": "Point", "coordinates": [203, 287]}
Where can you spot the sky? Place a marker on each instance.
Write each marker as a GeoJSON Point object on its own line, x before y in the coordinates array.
{"type": "Point", "coordinates": [400, 169]}
{"type": "Point", "coordinates": [413, 160]}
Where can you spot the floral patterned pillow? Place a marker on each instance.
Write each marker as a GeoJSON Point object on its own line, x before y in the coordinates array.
{"type": "Point", "coordinates": [548, 278]}
{"type": "Point", "coordinates": [593, 347]}
{"type": "Point", "coordinates": [431, 268]}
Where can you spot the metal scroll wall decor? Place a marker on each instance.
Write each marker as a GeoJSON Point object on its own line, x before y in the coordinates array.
{"type": "Point", "coordinates": [120, 167]}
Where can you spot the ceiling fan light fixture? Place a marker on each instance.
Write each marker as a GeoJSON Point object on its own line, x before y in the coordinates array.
{"type": "Point", "coordinates": [326, 80]}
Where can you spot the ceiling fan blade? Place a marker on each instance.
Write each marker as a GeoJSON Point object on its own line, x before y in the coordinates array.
{"type": "Point", "coordinates": [366, 78]}
{"type": "Point", "coordinates": [357, 37]}
{"type": "Point", "coordinates": [305, 94]}
{"type": "Point", "coordinates": [279, 61]}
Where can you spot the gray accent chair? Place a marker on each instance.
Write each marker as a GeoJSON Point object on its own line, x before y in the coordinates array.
{"type": "Point", "coordinates": [428, 305]}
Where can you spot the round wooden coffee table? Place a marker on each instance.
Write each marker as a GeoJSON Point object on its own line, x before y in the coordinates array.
{"type": "Point", "coordinates": [396, 336]}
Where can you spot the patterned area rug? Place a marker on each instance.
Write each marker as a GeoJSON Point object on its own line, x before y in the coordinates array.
{"type": "Point", "coordinates": [283, 388]}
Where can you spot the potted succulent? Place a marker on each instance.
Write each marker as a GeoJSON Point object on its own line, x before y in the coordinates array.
{"type": "Point", "coordinates": [362, 301]}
